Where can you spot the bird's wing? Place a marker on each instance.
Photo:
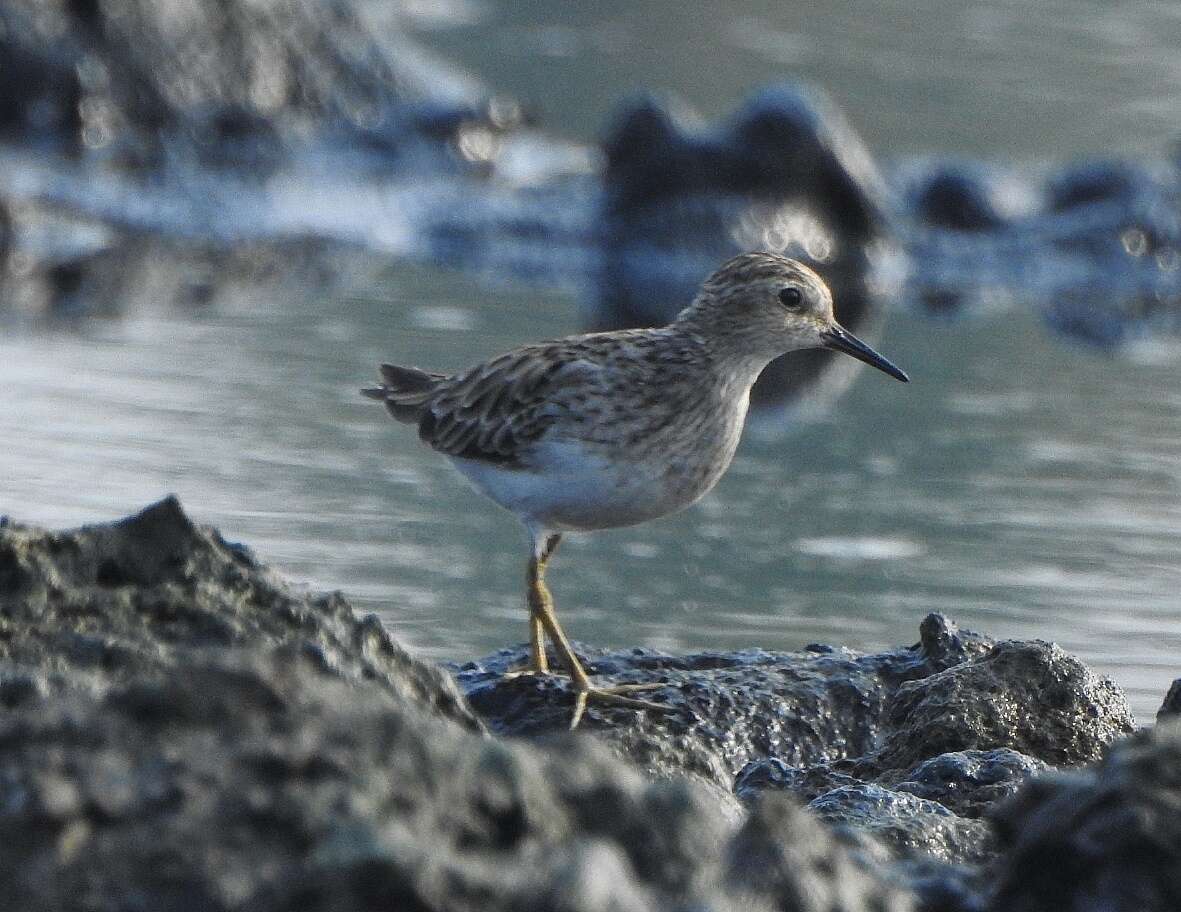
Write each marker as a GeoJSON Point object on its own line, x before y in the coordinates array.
{"type": "Point", "coordinates": [494, 410]}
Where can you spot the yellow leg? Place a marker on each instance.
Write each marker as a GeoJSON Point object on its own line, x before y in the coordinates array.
{"type": "Point", "coordinates": [538, 663]}
{"type": "Point", "coordinates": [541, 612]}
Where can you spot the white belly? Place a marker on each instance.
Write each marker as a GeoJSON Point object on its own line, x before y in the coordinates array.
{"type": "Point", "coordinates": [574, 490]}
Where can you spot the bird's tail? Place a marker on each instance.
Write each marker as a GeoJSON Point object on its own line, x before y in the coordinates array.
{"type": "Point", "coordinates": [404, 390]}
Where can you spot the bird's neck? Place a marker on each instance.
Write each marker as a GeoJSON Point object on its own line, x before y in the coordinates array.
{"type": "Point", "coordinates": [732, 363]}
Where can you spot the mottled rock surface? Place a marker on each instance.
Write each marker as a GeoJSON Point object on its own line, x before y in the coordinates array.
{"type": "Point", "coordinates": [1030, 697]}
{"type": "Point", "coordinates": [131, 602]}
{"type": "Point", "coordinates": [1105, 839]}
{"type": "Point", "coordinates": [182, 730]}
{"type": "Point", "coordinates": [912, 745]}
{"type": "Point", "coordinates": [804, 708]}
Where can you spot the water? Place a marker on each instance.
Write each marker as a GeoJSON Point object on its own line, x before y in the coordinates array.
{"type": "Point", "coordinates": [1024, 487]}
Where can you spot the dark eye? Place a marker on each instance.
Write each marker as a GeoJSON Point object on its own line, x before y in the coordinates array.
{"type": "Point", "coordinates": [791, 297]}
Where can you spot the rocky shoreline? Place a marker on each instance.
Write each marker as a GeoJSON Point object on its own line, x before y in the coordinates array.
{"type": "Point", "coordinates": [182, 729]}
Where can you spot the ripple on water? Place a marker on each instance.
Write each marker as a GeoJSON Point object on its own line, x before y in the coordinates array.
{"type": "Point", "coordinates": [859, 548]}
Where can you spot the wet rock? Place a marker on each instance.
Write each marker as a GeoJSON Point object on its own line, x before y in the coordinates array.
{"type": "Point", "coordinates": [873, 717]}
{"type": "Point", "coordinates": [932, 810]}
{"type": "Point", "coordinates": [912, 827]}
{"type": "Point", "coordinates": [989, 703]}
{"type": "Point", "coordinates": [182, 730]}
{"type": "Point", "coordinates": [804, 708]}
{"type": "Point", "coordinates": [970, 782]}
{"type": "Point", "coordinates": [805, 782]}
{"type": "Point", "coordinates": [1107, 838]}
{"type": "Point", "coordinates": [926, 773]}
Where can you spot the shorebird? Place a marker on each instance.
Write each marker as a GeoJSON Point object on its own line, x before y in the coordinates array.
{"type": "Point", "coordinates": [610, 429]}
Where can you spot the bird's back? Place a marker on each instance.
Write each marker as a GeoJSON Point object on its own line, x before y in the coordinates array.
{"type": "Point", "coordinates": [633, 385]}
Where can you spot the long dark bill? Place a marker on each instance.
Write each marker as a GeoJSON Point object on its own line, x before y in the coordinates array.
{"type": "Point", "coordinates": [840, 339]}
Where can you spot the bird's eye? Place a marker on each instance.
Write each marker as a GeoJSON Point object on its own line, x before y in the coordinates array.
{"type": "Point", "coordinates": [791, 298]}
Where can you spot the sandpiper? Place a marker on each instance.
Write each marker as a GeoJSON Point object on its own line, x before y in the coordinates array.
{"type": "Point", "coordinates": [611, 429]}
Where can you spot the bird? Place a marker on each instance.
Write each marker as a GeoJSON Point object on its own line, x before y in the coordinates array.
{"type": "Point", "coordinates": [610, 429]}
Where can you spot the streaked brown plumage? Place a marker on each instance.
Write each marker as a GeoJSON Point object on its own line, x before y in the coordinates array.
{"type": "Point", "coordinates": [610, 429]}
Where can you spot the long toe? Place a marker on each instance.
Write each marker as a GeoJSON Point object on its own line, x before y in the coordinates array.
{"type": "Point", "coordinates": [616, 696]}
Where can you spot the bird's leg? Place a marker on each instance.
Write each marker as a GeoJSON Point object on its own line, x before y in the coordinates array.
{"type": "Point", "coordinates": [537, 594]}
{"type": "Point", "coordinates": [541, 611]}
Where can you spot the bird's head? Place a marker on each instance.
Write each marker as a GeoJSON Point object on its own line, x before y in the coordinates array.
{"type": "Point", "coordinates": [764, 305]}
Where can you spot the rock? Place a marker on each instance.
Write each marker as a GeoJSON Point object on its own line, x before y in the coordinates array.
{"type": "Point", "coordinates": [912, 827]}
{"type": "Point", "coordinates": [934, 769]}
{"type": "Point", "coordinates": [1030, 697]}
{"type": "Point", "coordinates": [783, 851]}
{"type": "Point", "coordinates": [957, 197]}
{"type": "Point", "coordinates": [1172, 704]}
{"type": "Point", "coordinates": [970, 782]}
{"type": "Point", "coordinates": [232, 84]}
{"type": "Point", "coordinates": [953, 691]}
{"type": "Point", "coordinates": [730, 708]}
{"type": "Point", "coordinates": [130, 602]}
{"type": "Point", "coordinates": [930, 811]}
{"type": "Point", "coordinates": [182, 730]}
{"type": "Point", "coordinates": [1105, 839]}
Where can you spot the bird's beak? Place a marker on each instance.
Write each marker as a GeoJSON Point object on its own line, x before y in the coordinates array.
{"type": "Point", "coordinates": [840, 339]}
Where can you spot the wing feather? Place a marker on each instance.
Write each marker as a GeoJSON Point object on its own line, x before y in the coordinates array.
{"type": "Point", "coordinates": [493, 411]}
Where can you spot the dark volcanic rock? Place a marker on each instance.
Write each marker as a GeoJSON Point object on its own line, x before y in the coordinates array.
{"type": "Point", "coordinates": [805, 708]}
{"type": "Point", "coordinates": [911, 826]}
{"type": "Point", "coordinates": [1172, 703]}
{"type": "Point", "coordinates": [1027, 696]}
{"type": "Point", "coordinates": [182, 731]}
{"type": "Point", "coordinates": [912, 745]}
{"type": "Point", "coordinates": [931, 810]}
{"type": "Point", "coordinates": [1107, 839]}
{"type": "Point", "coordinates": [130, 602]}
{"type": "Point", "coordinates": [890, 711]}
{"type": "Point", "coordinates": [970, 782]}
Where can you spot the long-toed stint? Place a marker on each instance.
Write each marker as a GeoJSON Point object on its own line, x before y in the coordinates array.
{"type": "Point", "coordinates": [610, 429]}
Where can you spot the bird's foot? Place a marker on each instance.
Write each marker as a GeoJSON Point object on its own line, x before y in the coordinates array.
{"type": "Point", "coordinates": [614, 696]}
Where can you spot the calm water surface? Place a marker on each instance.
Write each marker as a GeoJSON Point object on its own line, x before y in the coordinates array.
{"type": "Point", "coordinates": [1024, 487]}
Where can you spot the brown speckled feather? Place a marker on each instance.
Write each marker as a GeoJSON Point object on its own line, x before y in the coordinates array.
{"type": "Point", "coordinates": [493, 411]}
